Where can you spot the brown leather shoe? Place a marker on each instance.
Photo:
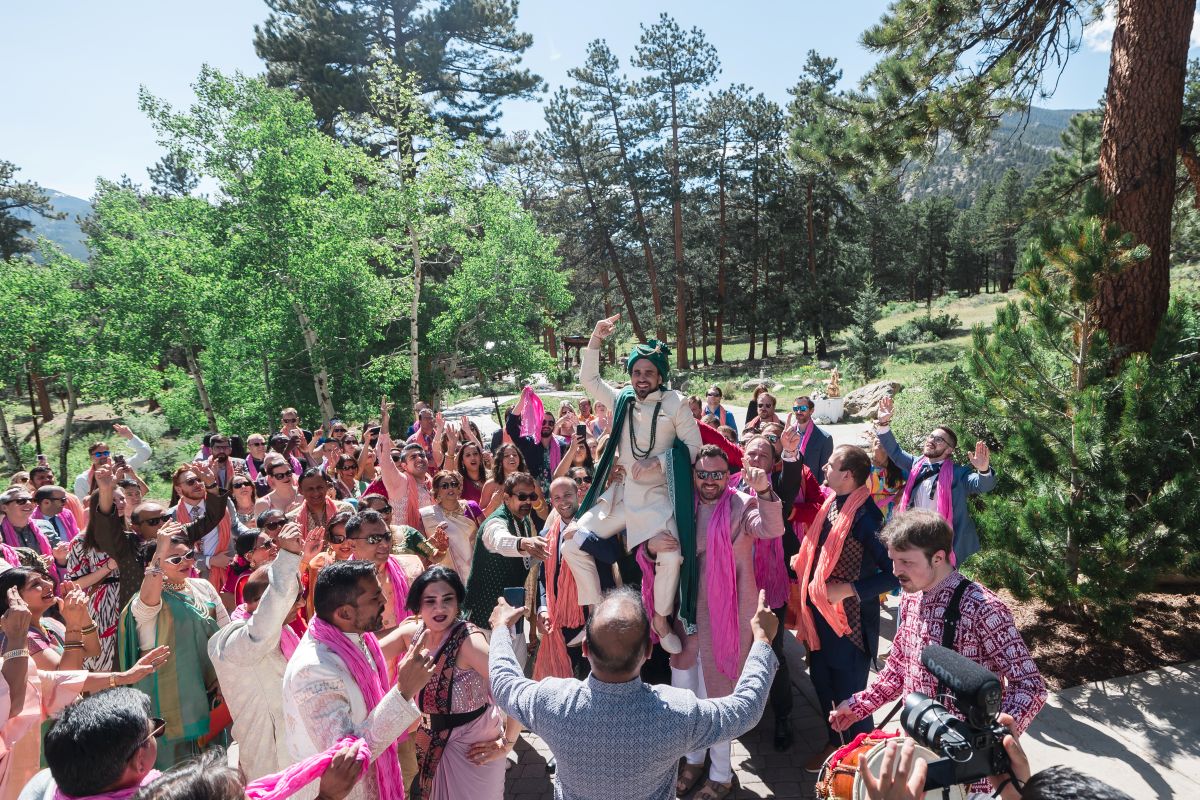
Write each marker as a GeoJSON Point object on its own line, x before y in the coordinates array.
{"type": "Point", "coordinates": [817, 761]}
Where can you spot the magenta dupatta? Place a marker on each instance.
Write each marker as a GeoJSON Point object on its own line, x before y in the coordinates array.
{"type": "Point", "coordinates": [399, 583]}
{"type": "Point", "coordinates": [720, 578]}
{"type": "Point", "coordinates": [288, 640]}
{"type": "Point", "coordinates": [297, 776]}
{"type": "Point", "coordinates": [770, 562]}
{"type": "Point", "coordinates": [945, 504]}
{"type": "Point", "coordinates": [118, 794]}
{"type": "Point", "coordinates": [66, 517]}
{"type": "Point", "coordinates": [808, 429]}
{"type": "Point", "coordinates": [11, 540]}
{"type": "Point", "coordinates": [531, 425]}
{"type": "Point", "coordinates": [372, 680]}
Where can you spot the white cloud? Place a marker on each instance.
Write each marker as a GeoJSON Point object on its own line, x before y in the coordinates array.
{"type": "Point", "coordinates": [1097, 36]}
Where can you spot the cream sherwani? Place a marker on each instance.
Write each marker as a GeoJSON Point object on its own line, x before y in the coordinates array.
{"type": "Point", "coordinates": [250, 670]}
{"type": "Point", "coordinates": [322, 703]}
{"type": "Point", "coordinates": [642, 508]}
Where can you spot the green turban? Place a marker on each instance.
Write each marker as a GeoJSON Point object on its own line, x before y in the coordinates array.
{"type": "Point", "coordinates": [654, 351]}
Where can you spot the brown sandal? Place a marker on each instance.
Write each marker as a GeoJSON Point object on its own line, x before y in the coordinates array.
{"type": "Point", "coordinates": [689, 776]}
{"type": "Point", "coordinates": [711, 790]}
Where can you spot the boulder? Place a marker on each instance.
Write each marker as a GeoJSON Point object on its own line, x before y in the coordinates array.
{"type": "Point", "coordinates": [771, 383]}
{"type": "Point", "coordinates": [825, 365]}
{"type": "Point", "coordinates": [864, 401]}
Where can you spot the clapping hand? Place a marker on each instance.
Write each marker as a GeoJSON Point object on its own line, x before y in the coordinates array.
{"type": "Point", "coordinates": [73, 605]}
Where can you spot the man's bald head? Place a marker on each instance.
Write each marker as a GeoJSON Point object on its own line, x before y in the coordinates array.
{"type": "Point", "coordinates": [256, 585]}
{"type": "Point", "coordinates": [618, 635]}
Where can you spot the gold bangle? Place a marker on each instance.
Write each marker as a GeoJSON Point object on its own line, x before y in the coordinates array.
{"type": "Point", "coordinates": [90, 629]}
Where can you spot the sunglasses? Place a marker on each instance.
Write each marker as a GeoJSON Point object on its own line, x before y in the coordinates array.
{"type": "Point", "coordinates": [396, 458]}
{"type": "Point", "coordinates": [256, 444]}
{"type": "Point", "coordinates": [771, 437]}
{"type": "Point", "coordinates": [583, 480]}
{"type": "Point", "coordinates": [800, 408]}
{"type": "Point", "coordinates": [373, 539]}
{"type": "Point", "coordinates": [281, 476]}
{"type": "Point", "coordinates": [158, 726]}
{"type": "Point", "coordinates": [191, 481]}
{"type": "Point", "coordinates": [274, 525]}
{"type": "Point", "coordinates": [291, 419]}
{"type": "Point", "coordinates": [102, 454]}
{"type": "Point", "coordinates": [154, 521]}
{"type": "Point", "coordinates": [525, 496]}
{"type": "Point", "coordinates": [242, 485]}
{"type": "Point", "coordinates": [190, 555]}
{"type": "Point", "coordinates": [384, 510]}
{"type": "Point", "coordinates": [712, 394]}
{"type": "Point", "coordinates": [269, 544]}
{"type": "Point", "coordinates": [348, 467]}
{"type": "Point", "coordinates": [337, 538]}
{"type": "Point", "coordinates": [22, 501]}
{"type": "Point", "coordinates": [711, 475]}
{"type": "Point", "coordinates": [449, 485]}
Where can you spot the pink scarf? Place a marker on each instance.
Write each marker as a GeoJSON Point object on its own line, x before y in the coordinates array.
{"type": "Point", "coordinates": [287, 637]}
{"type": "Point", "coordinates": [11, 540]}
{"type": "Point", "coordinates": [399, 583]}
{"type": "Point", "coordinates": [298, 775]}
{"type": "Point", "coordinates": [372, 680]}
{"type": "Point", "coordinates": [944, 503]}
{"type": "Point", "coordinates": [66, 517]}
{"type": "Point", "coordinates": [531, 426]}
{"type": "Point", "coordinates": [808, 429]}
{"type": "Point", "coordinates": [116, 794]}
{"type": "Point", "coordinates": [720, 578]}
{"type": "Point", "coordinates": [770, 570]}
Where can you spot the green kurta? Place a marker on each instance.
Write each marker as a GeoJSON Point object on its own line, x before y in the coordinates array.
{"type": "Point", "coordinates": [492, 573]}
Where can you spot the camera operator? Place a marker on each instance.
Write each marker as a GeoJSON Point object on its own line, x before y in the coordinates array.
{"type": "Point", "coordinates": [902, 777]}
{"type": "Point", "coordinates": [981, 627]}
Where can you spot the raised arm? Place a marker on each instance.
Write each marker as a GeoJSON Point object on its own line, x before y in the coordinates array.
{"type": "Point", "coordinates": [763, 516]}
{"type": "Point", "coordinates": [589, 368]}
{"type": "Point", "coordinates": [883, 430]}
{"type": "Point", "coordinates": [262, 630]}
{"type": "Point", "coordinates": [141, 450]}
{"type": "Point", "coordinates": [105, 523]}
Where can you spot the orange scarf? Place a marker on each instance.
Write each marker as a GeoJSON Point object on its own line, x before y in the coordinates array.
{"type": "Point", "coordinates": [563, 607]}
{"type": "Point", "coordinates": [302, 517]}
{"type": "Point", "coordinates": [813, 571]}
{"type": "Point", "coordinates": [216, 575]}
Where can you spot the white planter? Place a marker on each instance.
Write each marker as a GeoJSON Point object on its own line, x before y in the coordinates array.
{"type": "Point", "coordinates": [829, 408]}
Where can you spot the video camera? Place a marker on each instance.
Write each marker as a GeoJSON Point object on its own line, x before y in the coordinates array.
{"type": "Point", "coordinates": [972, 749]}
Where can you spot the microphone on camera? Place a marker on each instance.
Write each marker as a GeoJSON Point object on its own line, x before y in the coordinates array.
{"type": "Point", "coordinates": [976, 689]}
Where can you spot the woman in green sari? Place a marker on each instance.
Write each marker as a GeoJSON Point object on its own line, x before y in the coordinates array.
{"type": "Point", "coordinates": [181, 612]}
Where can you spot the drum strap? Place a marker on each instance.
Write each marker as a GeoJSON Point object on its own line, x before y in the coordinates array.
{"type": "Point", "coordinates": [950, 622]}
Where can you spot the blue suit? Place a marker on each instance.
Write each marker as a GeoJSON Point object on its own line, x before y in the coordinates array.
{"type": "Point", "coordinates": [966, 482]}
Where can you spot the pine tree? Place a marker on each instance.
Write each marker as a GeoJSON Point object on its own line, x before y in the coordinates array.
{"type": "Point", "coordinates": [465, 55]}
{"type": "Point", "coordinates": [24, 196]}
{"type": "Point", "coordinates": [1096, 462]}
{"type": "Point", "coordinates": [863, 345]}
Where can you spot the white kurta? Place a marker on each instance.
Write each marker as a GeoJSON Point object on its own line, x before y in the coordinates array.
{"type": "Point", "coordinates": [642, 508]}
{"type": "Point", "coordinates": [250, 670]}
{"type": "Point", "coordinates": [322, 703]}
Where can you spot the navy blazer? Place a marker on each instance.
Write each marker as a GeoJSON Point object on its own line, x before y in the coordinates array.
{"type": "Point", "coordinates": [966, 482]}
{"type": "Point", "coordinates": [816, 455]}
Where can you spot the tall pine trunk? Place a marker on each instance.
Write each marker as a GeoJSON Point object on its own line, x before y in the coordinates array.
{"type": "Point", "coordinates": [681, 321]}
{"type": "Point", "coordinates": [320, 371]}
{"type": "Point", "coordinates": [12, 453]}
{"type": "Point", "coordinates": [720, 332]}
{"type": "Point", "coordinates": [1138, 145]}
{"type": "Point", "coordinates": [64, 443]}
{"type": "Point", "coordinates": [414, 322]}
{"type": "Point", "coordinates": [660, 330]}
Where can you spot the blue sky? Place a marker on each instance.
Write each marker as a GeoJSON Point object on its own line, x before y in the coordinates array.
{"type": "Point", "coordinates": [70, 92]}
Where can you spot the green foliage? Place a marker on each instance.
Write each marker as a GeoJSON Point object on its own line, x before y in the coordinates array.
{"type": "Point", "coordinates": [20, 196]}
{"type": "Point", "coordinates": [864, 347]}
{"type": "Point", "coordinates": [464, 55]}
{"type": "Point", "coordinates": [1097, 456]}
{"type": "Point", "coordinates": [929, 328]}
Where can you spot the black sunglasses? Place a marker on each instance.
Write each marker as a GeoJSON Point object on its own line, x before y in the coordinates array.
{"type": "Point", "coordinates": [449, 485]}
{"type": "Point", "coordinates": [154, 521]}
{"type": "Point", "coordinates": [373, 539]}
{"type": "Point", "coordinates": [384, 510]}
{"type": "Point", "coordinates": [336, 538]}
{"type": "Point", "coordinates": [242, 485]}
{"type": "Point", "coordinates": [281, 476]}
{"type": "Point", "coordinates": [275, 525]}
{"type": "Point", "coordinates": [523, 496]}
